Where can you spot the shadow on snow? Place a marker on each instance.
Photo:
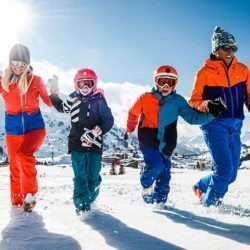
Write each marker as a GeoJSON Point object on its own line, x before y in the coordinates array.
{"type": "Point", "coordinates": [236, 232]}
{"type": "Point", "coordinates": [120, 236]}
{"type": "Point", "coordinates": [26, 231]}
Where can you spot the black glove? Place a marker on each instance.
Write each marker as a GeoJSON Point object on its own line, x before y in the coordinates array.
{"type": "Point", "coordinates": [127, 136]}
{"type": "Point", "coordinates": [167, 152]}
{"type": "Point", "coordinates": [248, 107]}
{"type": "Point", "coordinates": [216, 107]}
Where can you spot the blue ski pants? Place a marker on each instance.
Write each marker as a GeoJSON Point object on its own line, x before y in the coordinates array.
{"type": "Point", "coordinates": [157, 170]}
{"type": "Point", "coordinates": [222, 137]}
{"type": "Point", "coordinates": [87, 179]}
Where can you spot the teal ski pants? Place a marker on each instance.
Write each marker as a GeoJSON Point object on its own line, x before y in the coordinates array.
{"type": "Point", "coordinates": [87, 179]}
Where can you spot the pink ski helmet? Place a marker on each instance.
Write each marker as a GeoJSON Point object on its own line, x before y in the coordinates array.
{"type": "Point", "coordinates": [86, 73]}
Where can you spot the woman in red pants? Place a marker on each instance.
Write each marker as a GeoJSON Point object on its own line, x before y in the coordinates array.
{"type": "Point", "coordinates": [24, 125]}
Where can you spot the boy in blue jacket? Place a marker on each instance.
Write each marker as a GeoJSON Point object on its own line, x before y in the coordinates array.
{"type": "Point", "coordinates": [91, 118]}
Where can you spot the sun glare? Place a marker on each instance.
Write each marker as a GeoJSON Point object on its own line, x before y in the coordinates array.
{"type": "Point", "coordinates": [15, 20]}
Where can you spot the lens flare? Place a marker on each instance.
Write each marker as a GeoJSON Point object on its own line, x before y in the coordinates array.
{"type": "Point", "coordinates": [15, 20]}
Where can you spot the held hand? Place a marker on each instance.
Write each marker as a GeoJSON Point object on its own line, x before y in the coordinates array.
{"type": "Point", "coordinates": [167, 152]}
{"type": "Point", "coordinates": [247, 103]}
{"type": "Point", "coordinates": [52, 85]}
{"type": "Point", "coordinates": [90, 135]}
{"type": "Point", "coordinates": [127, 136]}
{"type": "Point", "coordinates": [248, 107]}
{"type": "Point", "coordinates": [216, 107]}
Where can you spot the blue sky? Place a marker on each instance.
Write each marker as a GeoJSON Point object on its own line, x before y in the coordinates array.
{"type": "Point", "coordinates": [127, 40]}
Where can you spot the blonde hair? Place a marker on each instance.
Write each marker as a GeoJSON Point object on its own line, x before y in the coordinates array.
{"type": "Point", "coordinates": [23, 83]}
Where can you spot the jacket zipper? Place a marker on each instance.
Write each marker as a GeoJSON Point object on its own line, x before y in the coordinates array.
{"type": "Point", "coordinates": [223, 90]}
{"type": "Point", "coordinates": [237, 98]}
{"type": "Point", "coordinates": [230, 91]}
{"type": "Point", "coordinates": [22, 112]}
{"type": "Point", "coordinates": [26, 100]}
{"type": "Point", "coordinates": [88, 112]}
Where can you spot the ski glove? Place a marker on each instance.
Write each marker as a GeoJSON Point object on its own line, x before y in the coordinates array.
{"type": "Point", "coordinates": [90, 135]}
{"type": "Point", "coordinates": [167, 152]}
{"type": "Point", "coordinates": [52, 85]}
{"type": "Point", "coordinates": [127, 136]}
{"type": "Point", "coordinates": [216, 107]}
{"type": "Point", "coordinates": [248, 107]}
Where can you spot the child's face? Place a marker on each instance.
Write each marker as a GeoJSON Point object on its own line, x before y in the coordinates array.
{"type": "Point", "coordinates": [85, 82]}
{"type": "Point", "coordinates": [85, 86]}
{"type": "Point", "coordinates": [166, 85]}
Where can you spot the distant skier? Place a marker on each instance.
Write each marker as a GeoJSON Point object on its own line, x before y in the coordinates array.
{"type": "Point", "coordinates": [91, 118]}
{"type": "Point", "coordinates": [24, 124]}
{"type": "Point", "coordinates": [224, 77]}
{"type": "Point", "coordinates": [157, 133]}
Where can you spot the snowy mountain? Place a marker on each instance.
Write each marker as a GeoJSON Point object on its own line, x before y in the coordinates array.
{"type": "Point", "coordinates": [55, 148]}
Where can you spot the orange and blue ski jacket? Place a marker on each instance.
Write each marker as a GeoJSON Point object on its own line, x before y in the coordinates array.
{"type": "Point", "coordinates": [22, 110]}
{"type": "Point", "coordinates": [146, 109]}
{"type": "Point", "coordinates": [158, 117]}
{"type": "Point", "coordinates": [215, 80]}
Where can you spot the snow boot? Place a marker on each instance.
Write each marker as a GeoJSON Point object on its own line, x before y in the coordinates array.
{"type": "Point", "coordinates": [29, 202]}
{"type": "Point", "coordinates": [197, 193]}
{"type": "Point", "coordinates": [147, 195]}
{"type": "Point", "coordinates": [85, 213]}
{"type": "Point", "coordinates": [83, 209]}
{"type": "Point", "coordinates": [161, 206]}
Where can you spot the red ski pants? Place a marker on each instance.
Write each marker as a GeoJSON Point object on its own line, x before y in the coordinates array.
{"type": "Point", "coordinates": [21, 149]}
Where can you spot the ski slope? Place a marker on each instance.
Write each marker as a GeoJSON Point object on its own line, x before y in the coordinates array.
{"type": "Point", "coordinates": [121, 220]}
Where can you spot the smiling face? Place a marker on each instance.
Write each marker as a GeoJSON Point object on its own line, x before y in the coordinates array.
{"type": "Point", "coordinates": [225, 54]}
{"type": "Point", "coordinates": [18, 68]}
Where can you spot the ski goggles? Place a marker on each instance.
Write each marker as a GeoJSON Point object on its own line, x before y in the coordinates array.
{"type": "Point", "coordinates": [18, 63]}
{"type": "Point", "coordinates": [229, 48]}
{"type": "Point", "coordinates": [81, 83]}
{"type": "Point", "coordinates": [166, 82]}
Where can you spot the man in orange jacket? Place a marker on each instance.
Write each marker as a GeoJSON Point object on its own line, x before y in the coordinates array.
{"type": "Point", "coordinates": [221, 77]}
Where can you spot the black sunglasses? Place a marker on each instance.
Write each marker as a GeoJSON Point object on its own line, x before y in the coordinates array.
{"type": "Point", "coordinates": [228, 48]}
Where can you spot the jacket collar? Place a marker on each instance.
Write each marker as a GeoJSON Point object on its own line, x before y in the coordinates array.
{"type": "Point", "coordinates": [163, 99]}
{"type": "Point", "coordinates": [219, 65]}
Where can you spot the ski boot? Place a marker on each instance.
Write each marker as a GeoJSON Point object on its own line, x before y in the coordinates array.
{"type": "Point", "coordinates": [197, 193]}
{"type": "Point", "coordinates": [84, 213]}
{"type": "Point", "coordinates": [82, 209]}
{"type": "Point", "coordinates": [147, 195]}
{"type": "Point", "coordinates": [29, 202]}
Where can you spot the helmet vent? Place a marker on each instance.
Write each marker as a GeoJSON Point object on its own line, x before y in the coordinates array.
{"type": "Point", "coordinates": [167, 70]}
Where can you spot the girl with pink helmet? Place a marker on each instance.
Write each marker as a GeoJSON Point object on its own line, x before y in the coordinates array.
{"type": "Point", "coordinates": [91, 118]}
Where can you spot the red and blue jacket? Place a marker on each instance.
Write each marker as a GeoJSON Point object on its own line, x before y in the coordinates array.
{"type": "Point", "coordinates": [22, 113]}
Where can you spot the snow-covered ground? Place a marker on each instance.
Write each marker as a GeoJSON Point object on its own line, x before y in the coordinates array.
{"type": "Point", "coordinates": [121, 219]}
